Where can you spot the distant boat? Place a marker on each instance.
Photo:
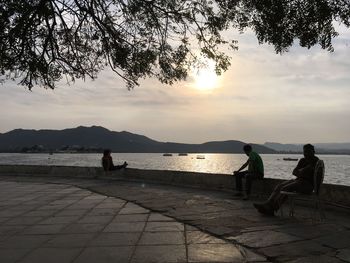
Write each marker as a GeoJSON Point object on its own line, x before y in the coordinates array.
{"type": "Point", "coordinates": [167, 154]}
{"type": "Point", "coordinates": [290, 159]}
{"type": "Point", "coordinates": [200, 157]}
{"type": "Point", "coordinates": [183, 154]}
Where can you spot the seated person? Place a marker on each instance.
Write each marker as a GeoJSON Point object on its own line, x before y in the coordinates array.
{"type": "Point", "coordinates": [304, 182]}
{"type": "Point", "coordinates": [107, 162]}
{"type": "Point", "coordinates": [255, 171]}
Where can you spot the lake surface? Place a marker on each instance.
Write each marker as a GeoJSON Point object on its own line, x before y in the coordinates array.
{"type": "Point", "coordinates": [337, 166]}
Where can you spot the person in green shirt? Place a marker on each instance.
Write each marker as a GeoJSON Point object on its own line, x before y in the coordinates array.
{"type": "Point", "coordinates": [255, 171]}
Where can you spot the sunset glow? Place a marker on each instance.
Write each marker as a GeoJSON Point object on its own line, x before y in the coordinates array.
{"type": "Point", "coordinates": [206, 78]}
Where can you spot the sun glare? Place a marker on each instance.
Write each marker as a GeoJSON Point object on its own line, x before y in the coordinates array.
{"type": "Point", "coordinates": [205, 78]}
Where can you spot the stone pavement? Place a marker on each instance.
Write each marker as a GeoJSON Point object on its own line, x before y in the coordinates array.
{"type": "Point", "coordinates": [59, 223]}
{"type": "Point", "coordinates": [75, 219]}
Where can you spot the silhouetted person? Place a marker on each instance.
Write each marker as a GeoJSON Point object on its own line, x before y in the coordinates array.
{"type": "Point", "coordinates": [255, 171]}
{"type": "Point", "coordinates": [304, 182]}
{"type": "Point", "coordinates": [107, 162]}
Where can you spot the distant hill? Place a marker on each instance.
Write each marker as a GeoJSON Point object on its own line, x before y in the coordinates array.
{"type": "Point", "coordinates": [284, 147]}
{"type": "Point", "coordinates": [334, 148]}
{"type": "Point", "coordinates": [97, 138]}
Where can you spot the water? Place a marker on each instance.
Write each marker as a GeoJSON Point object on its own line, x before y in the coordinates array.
{"type": "Point", "coordinates": [337, 166]}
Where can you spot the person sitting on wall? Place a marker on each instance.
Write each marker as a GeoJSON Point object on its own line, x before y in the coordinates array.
{"type": "Point", "coordinates": [255, 171]}
{"type": "Point", "coordinates": [107, 162]}
{"type": "Point", "coordinates": [304, 182]}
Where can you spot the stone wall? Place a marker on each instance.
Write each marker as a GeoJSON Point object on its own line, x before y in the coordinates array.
{"type": "Point", "coordinates": [333, 194]}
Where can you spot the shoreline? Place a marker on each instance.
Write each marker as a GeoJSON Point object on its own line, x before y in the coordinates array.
{"type": "Point", "coordinates": [116, 152]}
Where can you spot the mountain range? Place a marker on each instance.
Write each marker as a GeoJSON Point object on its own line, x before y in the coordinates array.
{"type": "Point", "coordinates": [96, 138]}
{"type": "Point", "coordinates": [331, 148]}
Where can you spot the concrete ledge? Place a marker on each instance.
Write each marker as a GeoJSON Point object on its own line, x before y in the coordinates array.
{"type": "Point", "coordinates": [202, 180]}
{"type": "Point", "coordinates": [333, 194]}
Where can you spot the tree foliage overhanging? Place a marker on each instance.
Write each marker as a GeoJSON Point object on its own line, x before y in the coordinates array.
{"type": "Point", "coordinates": [42, 41]}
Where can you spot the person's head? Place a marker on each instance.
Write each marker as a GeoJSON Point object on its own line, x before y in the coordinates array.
{"type": "Point", "coordinates": [247, 149]}
{"type": "Point", "coordinates": [309, 150]}
{"type": "Point", "coordinates": [106, 152]}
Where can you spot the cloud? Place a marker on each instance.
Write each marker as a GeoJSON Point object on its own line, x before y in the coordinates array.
{"type": "Point", "coordinates": [294, 97]}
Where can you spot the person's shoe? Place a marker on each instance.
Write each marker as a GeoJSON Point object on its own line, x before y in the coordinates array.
{"type": "Point", "coordinates": [258, 206]}
{"type": "Point", "coordinates": [269, 212]}
{"type": "Point", "coordinates": [264, 209]}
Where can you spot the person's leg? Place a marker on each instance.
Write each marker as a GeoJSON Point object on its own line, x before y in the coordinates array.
{"type": "Point", "coordinates": [299, 186]}
{"type": "Point", "coordinates": [239, 177]}
{"type": "Point", "coordinates": [271, 204]}
{"type": "Point", "coordinates": [249, 178]}
{"type": "Point", "coordinates": [276, 192]}
{"type": "Point", "coordinates": [118, 167]}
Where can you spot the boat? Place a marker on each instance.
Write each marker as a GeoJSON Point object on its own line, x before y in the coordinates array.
{"type": "Point", "coordinates": [200, 157]}
{"type": "Point", "coordinates": [183, 154]}
{"type": "Point", "coordinates": [290, 159]}
{"type": "Point", "coordinates": [167, 154]}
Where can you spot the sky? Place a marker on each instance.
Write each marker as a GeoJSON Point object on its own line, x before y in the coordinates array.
{"type": "Point", "coordinates": [298, 97]}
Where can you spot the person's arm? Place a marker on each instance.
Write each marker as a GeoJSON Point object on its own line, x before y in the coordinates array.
{"type": "Point", "coordinates": [242, 167]}
{"type": "Point", "coordinates": [296, 170]}
{"type": "Point", "coordinates": [303, 172]}
{"type": "Point", "coordinates": [307, 172]}
{"type": "Point", "coordinates": [110, 163]}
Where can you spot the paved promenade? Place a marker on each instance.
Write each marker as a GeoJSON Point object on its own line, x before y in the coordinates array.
{"type": "Point", "coordinates": [55, 219]}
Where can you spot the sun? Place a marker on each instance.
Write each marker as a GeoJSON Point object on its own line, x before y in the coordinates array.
{"type": "Point", "coordinates": [205, 77]}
